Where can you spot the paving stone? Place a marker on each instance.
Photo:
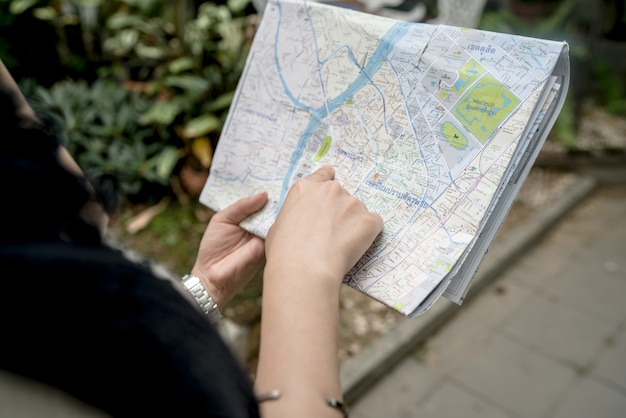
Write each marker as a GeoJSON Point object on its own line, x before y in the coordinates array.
{"type": "Point", "coordinates": [602, 295]}
{"type": "Point", "coordinates": [516, 377]}
{"type": "Point", "coordinates": [400, 394]}
{"type": "Point", "coordinates": [455, 345]}
{"type": "Point", "coordinates": [499, 302]}
{"type": "Point", "coordinates": [560, 329]}
{"type": "Point", "coordinates": [587, 269]}
{"type": "Point", "coordinates": [612, 364]}
{"type": "Point", "coordinates": [591, 398]}
{"type": "Point", "coordinates": [526, 270]}
{"type": "Point", "coordinates": [453, 401]}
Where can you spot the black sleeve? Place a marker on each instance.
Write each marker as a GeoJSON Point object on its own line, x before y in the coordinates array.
{"type": "Point", "coordinates": [114, 335]}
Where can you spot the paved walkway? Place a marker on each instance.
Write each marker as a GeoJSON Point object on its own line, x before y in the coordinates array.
{"type": "Point", "coordinates": [547, 339]}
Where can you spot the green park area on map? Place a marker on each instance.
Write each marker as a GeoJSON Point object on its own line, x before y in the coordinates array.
{"type": "Point", "coordinates": [483, 108]}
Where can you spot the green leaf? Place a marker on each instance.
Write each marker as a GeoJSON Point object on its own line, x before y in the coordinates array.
{"type": "Point", "coordinates": [237, 6]}
{"type": "Point", "coordinates": [191, 83]}
{"type": "Point", "coordinates": [222, 13]}
{"type": "Point", "coordinates": [181, 64]}
{"type": "Point", "coordinates": [201, 125]}
{"type": "Point", "coordinates": [20, 6]}
{"type": "Point", "coordinates": [45, 13]}
{"type": "Point", "coordinates": [44, 96]}
{"type": "Point", "coordinates": [165, 162]}
{"type": "Point", "coordinates": [149, 52]}
{"type": "Point", "coordinates": [88, 3]}
{"type": "Point", "coordinates": [121, 21]}
{"type": "Point", "coordinates": [160, 113]}
{"type": "Point", "coordinates": [556, 20]}
{"type": "Point", "coordinates": [123, 42]}
{"type": "Point", "coordinates": [222, 102]}
{"type": "Point", "coordinates": [565, 126]}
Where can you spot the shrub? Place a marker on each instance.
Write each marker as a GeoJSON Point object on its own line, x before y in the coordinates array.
{"type": "Point", "coordinates": [99, 122]}
{"type": "Point", "coordinates": [180, 59]}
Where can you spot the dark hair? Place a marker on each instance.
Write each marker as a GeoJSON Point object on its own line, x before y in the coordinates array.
{"type": "Point", "coordinates": [41, 198]}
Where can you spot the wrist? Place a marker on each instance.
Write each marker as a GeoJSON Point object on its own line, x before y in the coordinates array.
{"type": "Point", "coordinates": [216, 293]}
{"type": "Point", "coordinates": [308, 295]}
{"type": "Point", "coordinates": [301, 277]}
{"type": "Point", "coordinates": [203, 298]}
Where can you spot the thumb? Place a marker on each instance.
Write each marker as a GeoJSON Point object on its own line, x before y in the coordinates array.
{"type": "Point", "coordinates": [242, 208]}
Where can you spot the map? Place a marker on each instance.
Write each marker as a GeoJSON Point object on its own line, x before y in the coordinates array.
{"type": "Point", "coordinates": [433, 127]}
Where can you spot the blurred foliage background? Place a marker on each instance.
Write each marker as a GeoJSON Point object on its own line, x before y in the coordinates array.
{"type": "Point", "coordinates": [596, 33]}
{"type": "Point", "coordinates": [141, 88]}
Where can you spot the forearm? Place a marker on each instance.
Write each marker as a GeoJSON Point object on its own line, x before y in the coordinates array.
{"type": "Point", "coordinates": [298, 353]}
{"type": "Point", "coordinates": [320, 233]}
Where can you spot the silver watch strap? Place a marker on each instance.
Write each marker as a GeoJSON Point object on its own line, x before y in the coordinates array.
{"type": "Point", "coordinates": [209, 307]}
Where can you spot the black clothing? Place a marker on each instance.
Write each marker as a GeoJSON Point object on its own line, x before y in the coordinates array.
{"type": "Point", "coordinates": [114, 335]}
{"type": "Point", "coordinates": [79, 315]}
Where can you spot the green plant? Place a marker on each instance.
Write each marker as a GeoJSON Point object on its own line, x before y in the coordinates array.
{"type": "Point", "coordinates": [190, 68]}
{"type": "Point", "coordinates": [612, 87]}
{"type": "Point", "coordinates": [557, 25]}
{"type": "Point", "coordinates": [63, 33]}
{"type": "Point", "coordinates": [99, 122]}
{"type": "Point", "coordinates": [565, 126]}
{"type": "Point", "coordinates": [180, 61]}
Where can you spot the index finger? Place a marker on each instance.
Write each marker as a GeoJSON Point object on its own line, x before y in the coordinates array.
{"type": "Point", "coordinates": [324, 173]}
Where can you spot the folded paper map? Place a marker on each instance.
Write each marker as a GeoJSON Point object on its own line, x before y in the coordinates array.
{"type": "Point", "coordinates": [433, 127]}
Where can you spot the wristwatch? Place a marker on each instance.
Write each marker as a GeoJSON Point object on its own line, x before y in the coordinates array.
{"type": "Point", "coordinates": [210, 308]}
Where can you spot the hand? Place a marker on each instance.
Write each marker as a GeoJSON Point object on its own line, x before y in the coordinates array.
{"type": "Point", "coordinates": [229, 256]}
{"type": "Point", "coordinates": [321, 229]}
